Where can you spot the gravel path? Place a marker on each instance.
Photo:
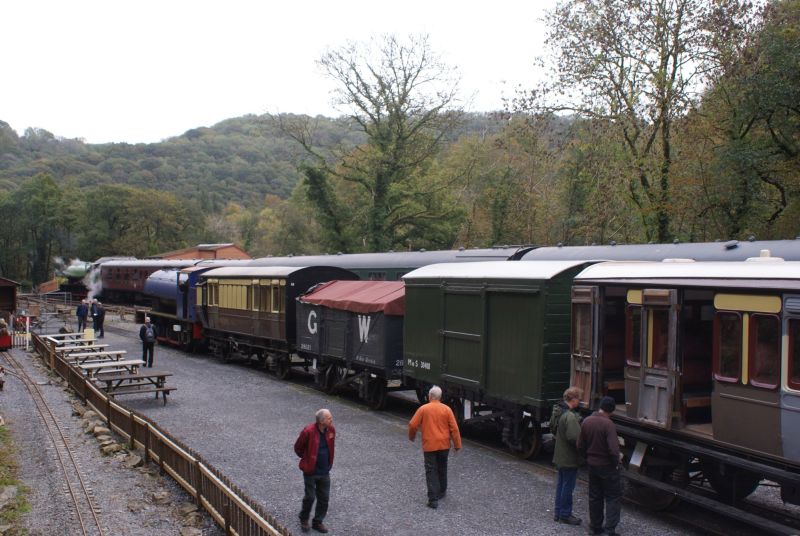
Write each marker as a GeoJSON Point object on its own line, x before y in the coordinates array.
{"type": "Point", "coordinates": [125, 496]}
{"type": "Point", "coordinates": [244, 421]}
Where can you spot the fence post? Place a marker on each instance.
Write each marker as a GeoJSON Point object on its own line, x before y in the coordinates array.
{"type": "Point", "coordinates": [146, 442]}
{"type": "Point", "coordinates": [227, 514]}
{"type": "Point", "coordinates": [198, 486]}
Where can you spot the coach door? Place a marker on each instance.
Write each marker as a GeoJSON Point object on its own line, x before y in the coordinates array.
{"type": "Point", "coordinates": [657, 384]}
{"type": "Point", "coordinates": [584, 349]}
{"type": "Point", "coordinates": [790, 397]}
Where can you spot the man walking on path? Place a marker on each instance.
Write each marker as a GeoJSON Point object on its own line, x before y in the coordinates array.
{"type": "Point", "coordinates": [438, 425]}
{"type": "Point", "coordinates": [315, 447]}
{"type": "Point", "coordinates": [82, 312]}
{"type": "Point", "coordinates": [148, 335]}
{"type": "Point", "coordinates": [599, 444]}
{"type": "Point", "coordinates": [566, 427]}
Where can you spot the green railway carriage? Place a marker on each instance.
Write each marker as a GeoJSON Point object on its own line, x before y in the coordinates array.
{"type": "Point", "coordinates": [495, 336]}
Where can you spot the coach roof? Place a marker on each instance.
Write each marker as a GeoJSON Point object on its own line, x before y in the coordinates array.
{"type": "Point", "coordinates": [540, 270]}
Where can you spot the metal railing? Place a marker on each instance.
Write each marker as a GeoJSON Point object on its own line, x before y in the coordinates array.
{"type": "Point", "coordinates": [228, 505]}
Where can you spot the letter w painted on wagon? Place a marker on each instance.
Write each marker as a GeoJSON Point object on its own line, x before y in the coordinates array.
{"type": "Point", "coordinates": [363, 328]}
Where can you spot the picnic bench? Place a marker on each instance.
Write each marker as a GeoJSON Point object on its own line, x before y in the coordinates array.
{"type": "Point", "coordinates": [77, 341]}
{"type": "Point", "coordinates": [151, 381]}
{"type": "Point", "coordinates": [124, 365]}
{"type": "Point", "coordinates": [81, 357]}
{"type": "Point", "coordinates": [64, 351]}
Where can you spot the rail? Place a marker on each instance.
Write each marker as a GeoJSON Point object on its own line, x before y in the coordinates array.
{"type": "Point", "coordinates": [227, 504]}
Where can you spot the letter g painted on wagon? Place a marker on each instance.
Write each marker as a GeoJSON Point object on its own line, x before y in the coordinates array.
{"type": "Point", "coordinates": [312, 322]}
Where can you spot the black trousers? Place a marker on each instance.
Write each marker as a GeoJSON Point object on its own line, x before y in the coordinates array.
{"type": "Point", "coordinates": [316, 487]}
{"type": "Point", "coordinates": [81, 323]}
{"type": "Point", "coordinates": [147, 353]}
{"type": "Point", "coordinates": [436, 473]}
{"type": "Point", "coordinates": [604, 486]}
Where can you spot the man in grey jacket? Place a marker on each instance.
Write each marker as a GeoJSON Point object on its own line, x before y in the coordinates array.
{"type": "Point", "coordinates": [566, 427]}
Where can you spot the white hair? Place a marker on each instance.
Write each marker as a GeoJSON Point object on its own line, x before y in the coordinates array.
{"type": "Point", "coordinates": [322, 413]}
{"type": "Point", "coordinates": [435, 393]}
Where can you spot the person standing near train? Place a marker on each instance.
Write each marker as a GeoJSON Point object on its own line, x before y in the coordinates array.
{"type": "Point", "coordinates": [148, 335]}
{"type": "Point", "coordinates": [315, 447]}
{"type": "Point", "coordinates": [82, 312]}
{"type": "Point", "coordinates": [101, 318]}
{"type": "Point", "coordinates": [439, 427]}
{"type": "Point", "coordinates": [565, 426]}
{"type": "Point", "coordinates": [93, 312]}
{"type": "Point", "coordinates": [599, 444]}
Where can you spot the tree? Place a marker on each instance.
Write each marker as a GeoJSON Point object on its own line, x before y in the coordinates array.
{"type": "Point", "coordinates": [636, 66]}
{"type": "Point", "coordinates": [403, 99]}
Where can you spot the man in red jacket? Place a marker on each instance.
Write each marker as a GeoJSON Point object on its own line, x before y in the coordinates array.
{"type": "Point", "coordinates": [438, 426]}
{"type": "Point", "coordinates": [315, 447]}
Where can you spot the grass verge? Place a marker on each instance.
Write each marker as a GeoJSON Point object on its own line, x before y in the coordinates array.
{"type": "Point", "coordinates": [8, 477]}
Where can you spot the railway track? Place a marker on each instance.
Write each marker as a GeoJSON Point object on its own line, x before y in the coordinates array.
{"type": "Point", "coordinates": [85, 512]}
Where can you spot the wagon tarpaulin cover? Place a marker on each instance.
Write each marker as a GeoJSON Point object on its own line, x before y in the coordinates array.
{"type": "Point", "coordinates": [387, 297]}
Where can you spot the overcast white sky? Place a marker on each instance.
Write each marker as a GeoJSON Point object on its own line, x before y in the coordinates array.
{"type": "Point", "coordinates": [144, 70]}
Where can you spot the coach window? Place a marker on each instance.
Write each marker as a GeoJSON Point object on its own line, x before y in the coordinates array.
{"type": "Point", "coordinates": [794, 353]}
{"type": "Point", "coordinates": [727, 346]}
{"type": "Point", "coordinates": [633, 335]}
{"type": "Point", "coordinates": [582, 328]}
{"type": "Point", "coordinates": [276, 297]}
{"type": "Point", "coordinates": [660, 348]}
{"type": "Point", "coordinates": [248, 297]}
{"type": "Point", "coordinates": [765, 350]}
{"type": "Point", "coordinates": [265, 292]}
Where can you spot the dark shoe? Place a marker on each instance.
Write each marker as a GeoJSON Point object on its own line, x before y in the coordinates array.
{"type": "Point", "coordinates": [612, 533]}
{"type": "Point", "coordinates": [304, 526]}
{"type": "Point", "coordinates": [433, 504]}
{"type": "Point", "coordinates": [593, 532]}
{"type": "Point", "coordinates": [319, 527]}
{"type": "Point", "coordinates": [571, 520]}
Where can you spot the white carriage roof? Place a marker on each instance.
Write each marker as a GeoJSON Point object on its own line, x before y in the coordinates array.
{"type": "Point", "coordinates": [538, 270]}
{"type": "Point", "coordinates": [252, 271]}
{"type": "Point", "coordinates": [149, 263]}
{"type": "Point", "coordinates": [758, 268]}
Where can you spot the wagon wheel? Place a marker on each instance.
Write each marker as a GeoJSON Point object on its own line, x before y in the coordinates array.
{"type": "Point", "coordinates": [530, 439]}
{"type": "Point", "coordinates": [376, 393]}
{"type": "Point", "coordinates": [332, 376]}
{"type": "Point", "coordinates": [655, 499]}
{"type": "Point", "coordinates": [457, 405]}
{"type": "Point", "coordinates": [282, 368]}
{"type": "Point", "coordinates": [731, 485]}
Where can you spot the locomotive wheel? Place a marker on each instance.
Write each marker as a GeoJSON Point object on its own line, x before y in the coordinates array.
{"type": "Point", "coordinates": [731, 485]}
{"type": "Point", "coordinates": [282, 368]}
{"type": "Point", "coordinates": [530, 441]}
{"type": "Point", "coordinates": [376, 393]}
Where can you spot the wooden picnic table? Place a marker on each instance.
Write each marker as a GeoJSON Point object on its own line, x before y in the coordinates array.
{"type": "Point", "coordinates": [150, 381]}
{"type": "Point", "coordinates": [129, 365]}
{"type": "Point", "coordinates": [83, 357]}
{"type": "Point", "coordinates": [75, 342]}
{"type": "Point", "coordinates": [64, 350]}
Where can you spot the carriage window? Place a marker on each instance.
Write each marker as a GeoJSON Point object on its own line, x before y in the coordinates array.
{"type": "Point", "coordinates": [727, 346]}
{"type": "Point", "coordinates": [582, 328]}
{"type": "Point", "coordinates": [248, 298]}
{"type": "Point", "coordinates": [265, 304]}
{"type": "Point", "coordinates": [660, 320]}
{"type": "Point", "coordinates": [765, 350]}
{"type": "Point", "coordinates": [794, 353]}
{"type": "Point", "coordinates": [276, 298]}
{"type": "Point", "coordinates": [633, 335]}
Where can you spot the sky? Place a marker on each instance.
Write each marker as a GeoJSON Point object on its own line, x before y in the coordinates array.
{"type": "Point", "coordinates": [143, 71]}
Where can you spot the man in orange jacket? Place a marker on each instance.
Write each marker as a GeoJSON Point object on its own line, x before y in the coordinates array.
{"type": "Point", "coordinates": [438, 426]}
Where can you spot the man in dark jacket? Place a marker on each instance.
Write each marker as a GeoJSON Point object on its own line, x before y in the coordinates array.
{"type": "Point", "coordinates": [82, 312]}
{"type": "Point", "coordinates": [148, 335]}
{"type": "Point", "coordinates": [101, 318]}
{"type": "Point", "coordinates": [566, 427]}
{"type": "Point", "coordinates": [315, 447]}
{"type": "Point", "coordinates": [599, 445]}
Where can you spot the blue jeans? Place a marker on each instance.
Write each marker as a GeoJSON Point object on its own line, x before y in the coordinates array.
{"type": "Point", "coordinates": [316, 487]}
{"type": "Point", "coordinates": [565, 485]}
